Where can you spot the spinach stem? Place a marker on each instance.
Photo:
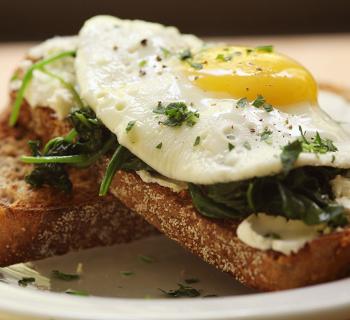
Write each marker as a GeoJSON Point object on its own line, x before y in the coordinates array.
{"type": "Point", "coordinates": [114, 164]}
{"type": "Point", "coordinates": [73, 159]}
{"type": "Point", "coordinates": [26, 80]}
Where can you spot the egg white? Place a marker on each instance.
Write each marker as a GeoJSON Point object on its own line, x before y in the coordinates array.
{"type": "Point", "coordinates": [108, 72]}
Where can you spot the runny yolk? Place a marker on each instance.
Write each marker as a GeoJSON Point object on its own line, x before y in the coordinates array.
{"type": "Point", "coordinates": [247, 72]}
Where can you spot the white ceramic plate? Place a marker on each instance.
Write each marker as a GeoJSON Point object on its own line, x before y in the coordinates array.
{"type": "Point", "coordinates": [116, 296]}
{"type": "Point", "coordinates": [122, 284]}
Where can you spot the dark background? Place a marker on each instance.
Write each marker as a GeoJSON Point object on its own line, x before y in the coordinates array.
{"type": "Point", "coordinates": [39, 19]}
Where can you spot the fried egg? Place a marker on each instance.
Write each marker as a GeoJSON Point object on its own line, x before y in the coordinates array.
{"type": "Point", "coordinates": [127, 69]}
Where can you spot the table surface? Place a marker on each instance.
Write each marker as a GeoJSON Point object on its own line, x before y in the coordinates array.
{"type": "Point", "coordinates": [326, 56]}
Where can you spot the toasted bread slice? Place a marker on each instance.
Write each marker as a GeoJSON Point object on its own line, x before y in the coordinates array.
{"type": "Point", "coordinates": [39, 223]}
{"type": "Point", "coordinates": [215, 241]}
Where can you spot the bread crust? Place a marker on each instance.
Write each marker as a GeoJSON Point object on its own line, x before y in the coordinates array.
{"type": "Point", "coordinates": [37, 223]}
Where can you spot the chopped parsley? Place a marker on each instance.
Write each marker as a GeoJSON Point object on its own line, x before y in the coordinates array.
{"type": "Point", "coordinates": [127, 273]}
{"type": "Point", "coordinates": [197, 141]}
{"type": "Point", "coordinates": [196, 65]}
{"type": "Point", "coordinates": [249, 51]}
{"type": "Point", "coordinates": [185, 55]}
{"type": "Point", "coordinates": [267, 107]}
{"type": "Point", "coordinates": [146, 259]}
{"type": "Point", "coordinates": [259, 101]}
{"type": "Point", "coordinates": [272, 235]}
{"type": "Point", "coordinates": [223, 58]}
{"type": "Point", "coordinates": [191, 280]}
{"type": "Point", "coordinates": [268, 48]}
{"type": "Point", "coordinates": [130, 126]}
{"type": "Point", "coordinates": [25, 281]}
{"type": "Point", "coordinates": [159, 145]}
{"type": "Point", "coordinates": [265, 135]}
{"type": "Point", "coordinates": [64, 276]}
{"type": "Point", "coordinates": [247, 145]}
{"type": "Point", "coordinates": [177, 113]}
{"type": "Point", "coordinates": [182, 291]}
{"type": "Point", "coordinates": [166, 52]}
{"type": "Point", "coordinates": [243, 102]}
{"type": "Point", "coordinates": [316, 144]}
{"type": "Point", "coordinates": [77, 292]}
{"type": "Point", "coordinates": [142, 63]}
{"type": "Point", "coordinates": [230, 146]}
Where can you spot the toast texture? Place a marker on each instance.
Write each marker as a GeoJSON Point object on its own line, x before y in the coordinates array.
{"type": "Point", "coordinates": [37, 223]}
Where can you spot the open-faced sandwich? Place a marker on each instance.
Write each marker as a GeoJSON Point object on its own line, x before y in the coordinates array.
{"type": "Point", "coordinates": [225, 149]}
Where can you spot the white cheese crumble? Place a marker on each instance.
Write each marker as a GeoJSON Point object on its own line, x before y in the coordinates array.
{"type": "Point", "coordinates": [44, 90]}
{"type": "Point", "coordinates": [264, 232]}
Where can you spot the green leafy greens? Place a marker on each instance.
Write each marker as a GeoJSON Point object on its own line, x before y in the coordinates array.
{"type": "Point", "coordinates": [305, 193]}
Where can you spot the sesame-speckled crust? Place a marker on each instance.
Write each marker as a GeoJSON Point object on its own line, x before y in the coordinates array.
{"type": "Point", "coordinates": [43, 222]}
{"type": "Point", "coordinates": [324, 259]}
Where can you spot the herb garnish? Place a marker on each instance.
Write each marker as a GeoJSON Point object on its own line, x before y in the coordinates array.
{"type": "Point", "coordinates": [182, 291]}
{"type": "Point", "coordinates": [223, 58]}
{"type": "Point", "coordinates": [127, 273]}
{"type": "Point", "coordinates": [185, 55]}
{"type": "Point", "coordinates": [243, 102]}
{"type": "Point", "coordinates": [267, 107]}
{"type": "Point", "coordinates": [259, 101]}
{"type": "Point", "coordinates": [265, 135]}
{"type": "Point", "coordinates": [197, 141]}
{"type": "Point", "coordinates": [64, 276]}
{"type": "Point", "coordinates": [230, 146]}
{"type": "Point", "coordinates": [191, 280]}
{"type": "Point", "coordinates": [159, 145]}
{"type": "Point", "coordinates": [247, 145]}
{"type": "Point", "coordinates": [268, 48]}
{"type": "Point", "coordinates": [291, 151]}
{"type": "Point", "coordinates": [130, 126]}
{"type": "Point", "coordinates": [76, 292]}
{"type": "Point", "coordinates": [146, 259]}
{"type": "Point", "coordinates": [25, 281]}
{"type": "Point", "coordinates": [177, 113]}
{"type": "Point", "coordinates": [142, 63]}
{"type": "Point", "coordinates": [317, 144]}
{"type": "Point", "coordinates": [28, 77]}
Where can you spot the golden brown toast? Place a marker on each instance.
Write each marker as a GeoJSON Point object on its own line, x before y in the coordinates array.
{"type": "Point", "coordinates": [37, 223]}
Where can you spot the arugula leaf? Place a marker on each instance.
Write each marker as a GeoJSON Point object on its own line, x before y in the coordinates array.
{"type": "Point", "coordinates": [182, 291]}
{"type": "Point", "coordinates": [28, 77]}
{"type": "Point", "coordinates": [177, 113]}
{"type": "Point", "coordinates": [64, 276]}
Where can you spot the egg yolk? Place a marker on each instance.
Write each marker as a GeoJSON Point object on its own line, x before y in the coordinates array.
{"type": "Point", "coordinates": [249, 72]}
